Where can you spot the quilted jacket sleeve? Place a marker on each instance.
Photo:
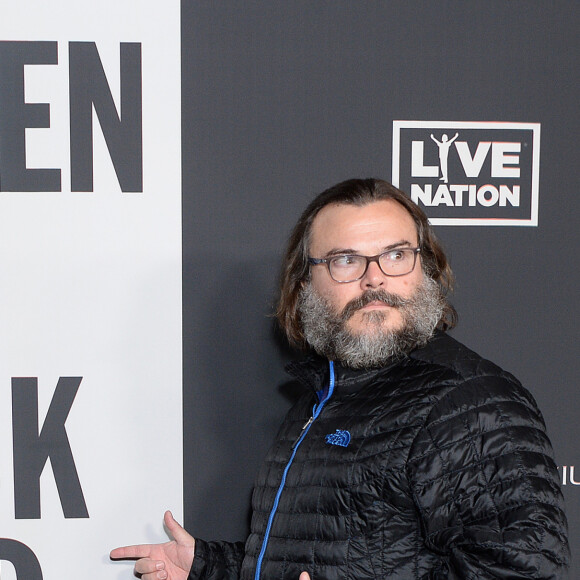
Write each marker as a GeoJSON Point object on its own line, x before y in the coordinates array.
{"type": "Point", "coordinates": [486, 485]}
{"type": "Point", "coordinates": [216, 560]}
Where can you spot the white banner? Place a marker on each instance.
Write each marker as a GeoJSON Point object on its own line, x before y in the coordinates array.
{"type": "Point", "coordinates": [90, 292]}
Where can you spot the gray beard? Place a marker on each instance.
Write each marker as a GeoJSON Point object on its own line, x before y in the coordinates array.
{"type": "Point", "coordinates": [326, 332]}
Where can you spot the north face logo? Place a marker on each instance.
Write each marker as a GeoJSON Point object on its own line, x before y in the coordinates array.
{"type": "Point", "coordinates": [340, 437]}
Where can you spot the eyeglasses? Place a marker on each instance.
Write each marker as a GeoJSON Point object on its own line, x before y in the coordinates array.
{"type": "Point", "coordinates": [350, 267]}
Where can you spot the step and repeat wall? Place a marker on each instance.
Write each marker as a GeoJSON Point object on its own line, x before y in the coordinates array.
{"type": "Point", "coordinates": [284, 99]}
{"type": "Point", "coordinates": [153, 159]}
{"type": "Point", "coordinates": [90, 292]}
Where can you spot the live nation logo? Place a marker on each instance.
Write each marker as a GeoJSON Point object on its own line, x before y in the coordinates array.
{"type": "Point", "coordinates": [469, 173]}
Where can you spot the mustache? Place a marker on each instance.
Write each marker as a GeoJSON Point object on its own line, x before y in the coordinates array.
{"type": "Point", "coordinates": [388, 298]}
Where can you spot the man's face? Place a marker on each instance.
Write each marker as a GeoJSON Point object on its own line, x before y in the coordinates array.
{"type": "Point", "coordinates": [368, 230]}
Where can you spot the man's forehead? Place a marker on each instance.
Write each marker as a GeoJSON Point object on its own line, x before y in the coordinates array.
{"type": "Point", "coordinates": [380, 222]}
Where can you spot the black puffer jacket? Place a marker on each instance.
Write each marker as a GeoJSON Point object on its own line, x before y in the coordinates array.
{"type": "Point", "coordinates": [435, 467]}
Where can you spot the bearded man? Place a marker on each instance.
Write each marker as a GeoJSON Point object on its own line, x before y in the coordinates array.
{"type": "Point", "coordinates": [408, 456]}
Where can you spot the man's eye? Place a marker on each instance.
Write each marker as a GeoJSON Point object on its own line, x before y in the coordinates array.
{"type": "Point", "coordinates": [343, 261]}
{"type": "Point", "coordinates": [396, 255]}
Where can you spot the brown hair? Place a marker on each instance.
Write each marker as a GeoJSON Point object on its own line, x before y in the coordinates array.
{"type": "Point", "coordinates": [358, 192]}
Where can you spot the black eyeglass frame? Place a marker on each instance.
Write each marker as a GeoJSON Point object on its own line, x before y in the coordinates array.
{"type": "Point", "coordinates": [369, 259]}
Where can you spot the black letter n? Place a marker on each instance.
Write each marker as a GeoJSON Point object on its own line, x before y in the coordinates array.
{"type": "Point", "coordinates": [89, 88]}
{"type": "Point", "coordinates": [32, 450]}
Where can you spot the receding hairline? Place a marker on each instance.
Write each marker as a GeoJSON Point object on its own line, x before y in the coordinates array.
{"type": "Point", "coordinates": [360, 202]}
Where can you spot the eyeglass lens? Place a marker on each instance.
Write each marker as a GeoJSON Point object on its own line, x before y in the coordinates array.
{"type": "Point", "coordinates": [393, 263]}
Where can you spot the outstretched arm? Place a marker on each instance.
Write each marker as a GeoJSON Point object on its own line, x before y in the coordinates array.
{"type": "Point", "coordinates": [169, 561]}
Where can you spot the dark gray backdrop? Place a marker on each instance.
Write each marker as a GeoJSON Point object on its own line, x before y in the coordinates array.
{"type": "Point", "coordinates": [283, 99]}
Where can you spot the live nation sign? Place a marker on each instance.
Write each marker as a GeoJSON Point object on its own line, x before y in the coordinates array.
{"type": "Point", "coordinates": [469, 173]}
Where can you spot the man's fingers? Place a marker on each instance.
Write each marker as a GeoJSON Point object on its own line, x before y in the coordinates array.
{"type": "Point", "coordinates": [177, 531]}
{"type": "Point", "coordinates": [147, 566]}
{"type": "Point", "coordinates": [304, 576]}
{"type": "Point", "coordinates": [161, 575]}
{"type": "Point", "coordinates": [141, 551]}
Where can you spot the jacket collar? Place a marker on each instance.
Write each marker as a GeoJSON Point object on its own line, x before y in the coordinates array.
{"type": "Point", "coordinates": [313, 371]}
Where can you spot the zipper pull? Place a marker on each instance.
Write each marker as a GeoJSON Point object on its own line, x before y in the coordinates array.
{"type": "Point", "coordinates": [306, 425]}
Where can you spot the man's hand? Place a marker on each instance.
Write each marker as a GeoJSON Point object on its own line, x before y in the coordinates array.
{"type": "Point", "coordinates": [169, 561]}
{"type": "Point", "coordinates": [304, 576]}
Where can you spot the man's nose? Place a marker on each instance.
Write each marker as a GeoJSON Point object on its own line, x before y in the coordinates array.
{"type": "Point", "coordinates": [374, 277]}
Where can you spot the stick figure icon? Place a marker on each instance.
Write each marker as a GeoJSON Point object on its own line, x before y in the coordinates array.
{"type": "Point", "coordinates": [444, 146]}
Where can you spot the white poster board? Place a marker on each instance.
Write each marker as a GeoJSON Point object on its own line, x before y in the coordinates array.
{"type": "Point", "coordinates": [90, 292]}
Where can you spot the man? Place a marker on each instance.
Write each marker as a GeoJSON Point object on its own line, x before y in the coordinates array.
{"type": "Point", "coordinates": [409, 456]}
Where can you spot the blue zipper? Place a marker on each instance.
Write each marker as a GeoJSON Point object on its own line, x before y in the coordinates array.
{"type": "Point", "coordinates": [316, 410]}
